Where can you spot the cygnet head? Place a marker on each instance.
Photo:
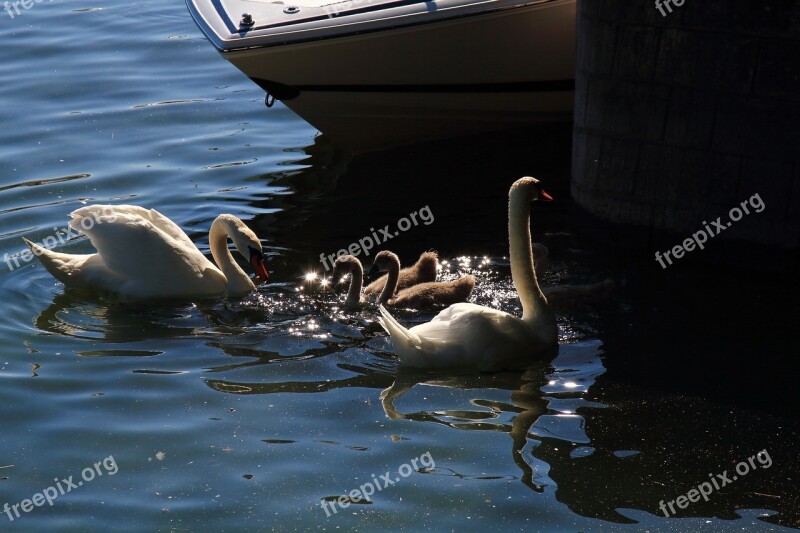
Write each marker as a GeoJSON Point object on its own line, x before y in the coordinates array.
{"type": "Point", "coordinates": [344, 266]}
{"type": "Point", "coordinates": [384, 262]}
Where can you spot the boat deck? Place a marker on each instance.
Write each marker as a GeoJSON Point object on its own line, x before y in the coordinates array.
{"type": "Point", "coordinates": [239, 24]}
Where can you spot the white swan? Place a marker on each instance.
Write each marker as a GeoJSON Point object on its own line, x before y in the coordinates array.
{"type": "Point", "coordinates": [473, 336]}
{"type": "Point", "coordinates": [142, 254]}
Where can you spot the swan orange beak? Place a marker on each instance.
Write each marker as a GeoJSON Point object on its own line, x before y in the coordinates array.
{"type": "Point", "coordinates": [257, 262]}
{"type": "Point", "coordinates": [544, 196]}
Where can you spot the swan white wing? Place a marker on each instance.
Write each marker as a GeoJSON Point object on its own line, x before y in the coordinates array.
{"type": "Point", "coordinates": [469, 335]}
{"type": "Point", "coordinates": [459, 320]}
{"type": "Point", "coordinates": [154, 262]}
{"type": "Point", "coordinates": [84, 270]}
{"type": "Point", "coordinates": [158, 220]}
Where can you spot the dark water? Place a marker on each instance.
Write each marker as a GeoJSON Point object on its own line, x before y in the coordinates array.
{"type": "Point", "coordinates": [249, 414]}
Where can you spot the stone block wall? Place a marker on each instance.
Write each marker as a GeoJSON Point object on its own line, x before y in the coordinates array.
{"type": "Point", "coordinates": [681, 117]}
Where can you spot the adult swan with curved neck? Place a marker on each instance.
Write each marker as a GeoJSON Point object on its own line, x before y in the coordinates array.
{"type": "Point", "coordinates": [466, 335]}
{"type": "Point", "coordinates": [141, 254]}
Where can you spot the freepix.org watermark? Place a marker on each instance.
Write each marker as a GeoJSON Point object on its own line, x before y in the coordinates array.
{"type": "Point", "coordinates": [13, 7]}
{"type": "Point", "coordinates": [62, 487]}
{"type": "Point", "coordinates": [61, 236]}
{"type": "Point", "coordinates": [378, 483]}
{"type": "Point", "coordinates": [666, 6]}
{"type": "Point", "coordinates": [367, 243]}
{"type": "Point", "coordinates": [699, 238]}
{"type": "Point", "coordinates": [717, 482]}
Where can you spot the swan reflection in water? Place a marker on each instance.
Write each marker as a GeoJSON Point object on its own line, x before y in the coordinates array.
{"type": "Point", "coordinates": [532, 396]}
{"type": "Point", "coordinates": [526, 400]}
{"type": "Point", "coordinates": [86, 316]}
{"type": "Point", "coordinates": [541, 403]}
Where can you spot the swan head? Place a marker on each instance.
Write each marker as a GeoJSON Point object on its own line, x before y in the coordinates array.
{"type": "Point", "coordinates": [384, 262]}
{"type": "Point", "coordinates": [247, 244]}
{"type": "Point", "coordinates": [529, 189]}
{"type": "Point", "coordinates": [256, 259]}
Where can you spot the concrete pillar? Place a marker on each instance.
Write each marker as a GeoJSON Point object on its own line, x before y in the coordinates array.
{"type": "Point", "coordinates": [681, 117]}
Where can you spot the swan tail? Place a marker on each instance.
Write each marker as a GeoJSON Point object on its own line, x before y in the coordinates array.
{"type": "Point", "coordinates": [404, 341]}
{"type": "Point", "coordinates": [63, 267]}
{"type": "Point", "coordinates": [48, 259]}
{"type": "Point", "coordinates": [393, 327]}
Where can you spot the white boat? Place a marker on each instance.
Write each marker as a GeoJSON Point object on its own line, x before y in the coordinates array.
{"type": "Point", "coordinates": [372, 74]}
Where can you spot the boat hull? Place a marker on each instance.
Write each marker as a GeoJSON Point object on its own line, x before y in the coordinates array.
{"type": "Point", "coordinates": [489, 70]}
{"type": "Point", "coordinates": [362, 122]}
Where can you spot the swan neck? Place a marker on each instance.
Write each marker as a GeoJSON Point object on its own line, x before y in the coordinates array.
{"type": "Point", "coordinates": [392, 279]}
{"type": "Point", "coordinates": [523, 273]}
{"type": "Point", "coordinates": [238, 281]}
{"type": "Point", "coordinates": [356, 283]}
